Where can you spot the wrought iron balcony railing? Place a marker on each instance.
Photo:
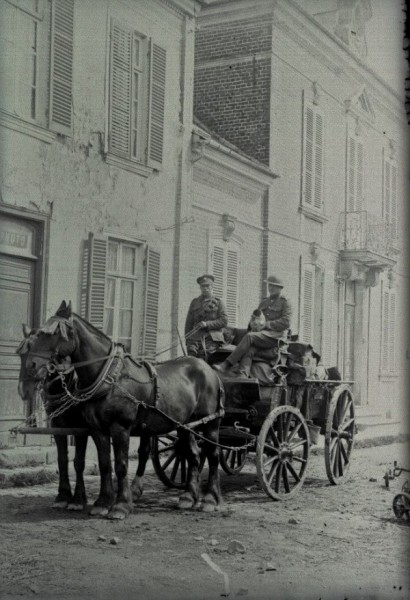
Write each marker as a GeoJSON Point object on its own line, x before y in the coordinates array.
{"type": "Point", "coordinates": [361, 230]}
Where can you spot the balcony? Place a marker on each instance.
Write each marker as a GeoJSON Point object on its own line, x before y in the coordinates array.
{"type": "Point", "coordinates": [366, 246]}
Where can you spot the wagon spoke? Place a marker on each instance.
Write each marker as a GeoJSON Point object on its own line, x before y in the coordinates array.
{"type": "Point", "coordinates": [274, 436]}
{"type": "Point", "coordinates": [175, 468]}
{"type": "Point", "coordinates": [343, 451]}
{"type": "Point", "coordinates": [278, 478]}
{"type": "Point", "coordinates": [293, 473]}
{"type": "Point", "coordinates": [299, 459]}
{"type": "Point", "coordinates": [272, 472]}
{"type": "Point", "coordinates": [166, 448]}
{"type": "Point", "coordinates": [334, 458]}
{"type": "Point", "coordinates": [297, 444]}
{"type": "Point", "coordinates": [346, 409]}
{"type": "Point", "coordinates": [169, 460]}
{"type": "Point", "coordinates": [288, 422]}
{"type": "Point", "coordinates": [285, 478]}
{"type": "Point", "coordinates": [183, 470]}
{"type": "Point", "coordinates": [280, 427]}
{"type": "Point", "coordinates": [340, 460]}
{"type": "Point", "coordinates": [294, 432]}
{"type": "Point", "coordinates": [272, 448]}
{"type": "Point", "coordinates": [347, 424]}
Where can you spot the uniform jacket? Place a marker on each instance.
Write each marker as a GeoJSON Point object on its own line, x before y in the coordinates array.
{"type": "Point", "coordinates": [212, 311]}
{"type": "Point", "coordinates": [277, 312]}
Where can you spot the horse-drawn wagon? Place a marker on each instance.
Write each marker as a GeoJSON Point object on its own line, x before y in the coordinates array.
{"type": "Point", "coordinates": [276, 423]}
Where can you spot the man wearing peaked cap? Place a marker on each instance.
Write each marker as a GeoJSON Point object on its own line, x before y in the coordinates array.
{"type": "Point", "coordinates": [205, 320]}
{"type": "Point", "coordinates": [277, 311]}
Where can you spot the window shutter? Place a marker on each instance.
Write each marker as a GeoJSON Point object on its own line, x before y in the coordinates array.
{"type": "Point", "coordinates": [329, 316]}
{"type": "Point", "coordinates": [308, 156]}
{"type": "Point", "coordinates": [318, 197]}
{"type": "Point", "coordinates": [232, 286]}
{"type": "Point", "coordinates": [61, 69]}
{"type": "Point", "coordinates": [351, 169]}
{"type": "Point", "coordinates": [85, 276]}
{"type": "Point", "coordinates": [387, 190]}
{"type": "Point", "coordinates": [97, 273]}
{"type": "Point", "coordinates": [359, 176]}
{"type": "Point", "coordinates": [218, 270]}
{"type": "Point", "coordinates": [385, 332]}
{"type": "Point", "coordinates": [156, 105]}
{"type": "Point", "coordinates": [120, 90]}
{"type": "Point", "coordinates": [150, 331]}
{"type": "Point", "coordinates": [392, 336]}
{"type": "Point", "coordinates": [393, 202]}
{"type": "Point", "coordinates": [307, 298]}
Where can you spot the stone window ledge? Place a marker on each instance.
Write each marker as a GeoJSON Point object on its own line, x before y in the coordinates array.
{"type": "Point", "coordinates": [31, 129]}
{"type": "Point", "coordinates": [313, 213]}
{"type": "Point", "coordinates": [128, 165]}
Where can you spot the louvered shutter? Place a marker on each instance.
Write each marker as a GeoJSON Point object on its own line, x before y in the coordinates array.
{"type": "Point", "coordinates": [156, 105]}
{"type": "Point", "coordinates": [351, 170]}
{"type": "Point", "coordinates": [318, 196]}
{"type": "Point", "coordinates": [307, 302]}
{"type": "Point", "coordinates": [61, 67]}
{"type": "Point", "coordinates": [308, 171]}
{"type": "Point", "coordinates": [232, 273]}
{"type": "Point", "coordinates": [218, 270]}
{"type": "Point", "coordinates": [393, 202]}
{"type": "Point", "coordinates": [359, 176]}
{"type": "Point", "coordinates": [120, 90]}
{"type": "Point", "coordinates": [385, 332]}
{"type": "Point", "coordinates": [392, 330]}
{"type": "Point", "coordinates": [387, 191]}
{"type": "Point", "coordinates": [85, 277]}
{"type": "Point", "coordinates": [97, 270]}
{"type": "Point", "coordinates": [329, 316]}
{"type": "Point", "coordinates": [152, 278]}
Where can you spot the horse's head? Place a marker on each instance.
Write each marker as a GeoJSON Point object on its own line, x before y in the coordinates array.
{"type": "Point", "coordinates": [51, 344]}
{"type": "Point", "coordinates": [27, 384]}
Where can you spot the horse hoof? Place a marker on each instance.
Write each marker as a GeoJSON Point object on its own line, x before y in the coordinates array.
{"type": "Point", "coordinates": [185, 502]}
{"type": "Point", "coordinates": [118, 514]}
{"type": "Point", "coordinates": [59, 504]}
{"type": "Point", "coordinates": [75, 507]}
{"type": "Point", "coordinates": [136, 488]}
{"type": "Point", "coordinates": [208, 507]}
{"type": "Point", "coordinates": [99, 511]}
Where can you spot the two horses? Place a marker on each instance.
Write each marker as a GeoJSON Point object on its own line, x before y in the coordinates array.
{"type": "Point", "coordinates": [116, 396]}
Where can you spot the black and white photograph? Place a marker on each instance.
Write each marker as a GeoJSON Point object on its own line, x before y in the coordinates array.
{"type": "Point", "coordinates": [204, 286]}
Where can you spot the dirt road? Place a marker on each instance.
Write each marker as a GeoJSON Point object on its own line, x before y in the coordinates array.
{"type": "Point", "coordinates": [327, 542]}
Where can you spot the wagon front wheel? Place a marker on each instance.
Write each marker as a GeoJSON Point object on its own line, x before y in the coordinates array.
{"type": "Point", "coordinates": [339, 434]}
{"type": "Point", "coordinates": [282, 452]}
{"type": "Point", "coordinates": [401, 506]}
{"type": "Point", "coordinates": [232, 460]}
{"type": "Point", "coordinates": [169, 465]}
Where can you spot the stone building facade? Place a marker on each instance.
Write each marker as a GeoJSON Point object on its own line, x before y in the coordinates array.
{"type": "Point", "coordinates": [307, 105]}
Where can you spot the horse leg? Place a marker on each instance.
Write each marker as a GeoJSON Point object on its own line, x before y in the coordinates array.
{"type": "Point", "coordinates": [213, 495]}
{"type": "Point", "coordinates": [143, 456]}
{"type": "Point", "coordinates": [64, 495]}
{"type": "Point", "coordinates": [79, 501]}
{"type": "Point", "coordinates": [106, 497]}
{"type": "Point", "coordinates": [189, 449]}
{"type": "Point", "coordinates": [121, 442]}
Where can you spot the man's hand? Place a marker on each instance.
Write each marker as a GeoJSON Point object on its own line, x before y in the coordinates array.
{"type": "Point", "coordinates": [202, 325]}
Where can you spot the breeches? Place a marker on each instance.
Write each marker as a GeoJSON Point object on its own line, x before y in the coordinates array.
{"type": "Point", "coordinates": [249, 346]}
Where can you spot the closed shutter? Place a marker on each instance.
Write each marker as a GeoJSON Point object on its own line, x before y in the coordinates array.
{"type": "Point", "coordinates": [218, 270]}
{"type": "Point", "coordinates": [157, 105]}
{"type": "Point", "coordinates": [120, 90]}
{"type": "Point", "coordinates": [392, 330]}
{"type": "Point", "coordinates": [61, 68]}
{"type": "Point", "coordinates": [150, 330]}
{"type": "Point", "coordinates": [390, 198]}
{"type": "Point", "coordinates": [384, 359]}
{"type": "Point", "coordinates": [329, 316]}
{"type": "Point", "coordinates": [307, 303]}
{"type": "Point", "coordinates": [394, 202]}
{"type": "Point", "coordinates": [387, 191]}
{"type": "Point", "coordinates": [313, 157]}
{"type": "Point", "coordinates": [93, 280]}
{"type": "Point", "coordinates": [359, 176]}
{"type": "Point", "coordinates": [85, 277]}
{"type": "Point", "coordinates": [355, 175]}
{"type": "Point", "coordinates": [232, 272]}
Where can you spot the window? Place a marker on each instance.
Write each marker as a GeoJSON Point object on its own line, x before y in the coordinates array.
{"type": "Point", "coordinates": [137, 97]}
{"type": "Point", "coordinates": [390, 196]}
{"type": "Point", "coordinates": [36, 66]}
{"type": "Point", "coordinates": [313, 157]}
{"type": "Point", "coordinates": [355, 174]}
{"type": "Point", "coordinates": [388, 326]}
{"type": "Point", "coordinates": [119, 279]}
{"type": "Point", "coordinates": [225, 268]}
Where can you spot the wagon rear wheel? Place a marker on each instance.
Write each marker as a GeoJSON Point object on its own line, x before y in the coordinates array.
{"type": "Point", "coordinates": [232, 461]}
{"type": "Point", "coordinates": [401, 506]}
{"type": "Point", "coordinates": [171, 468]}
{"type": "Point", "coordinates": [339, 434]}
{"type": "Point", "coordinates": [282, 452]}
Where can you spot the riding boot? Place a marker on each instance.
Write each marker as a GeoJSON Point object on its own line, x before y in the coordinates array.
{"type": "Point", "coordinates": [223, 367]}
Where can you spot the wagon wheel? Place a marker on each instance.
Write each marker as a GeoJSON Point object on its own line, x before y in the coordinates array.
{"type": "Point", "coordinates": [339, 434]}
{"type": "Point", "coordinates": [232, 461]}
{"type": "Point", "coordinates": [171, 468]}
{"type": "Point", "coordinates": [282, 452]}
{"type": "Point", "coordinates": [401, 506]}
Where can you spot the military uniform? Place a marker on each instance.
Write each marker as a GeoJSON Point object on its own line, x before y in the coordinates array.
{"type": "Point", "coordinates": [277, 312]}
{"type": "Point", "coordinates": [205, 340]}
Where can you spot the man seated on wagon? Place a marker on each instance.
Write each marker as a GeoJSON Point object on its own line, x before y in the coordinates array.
{"type": "Point", "coordinates": [205, 321]}
{"type": "Point", "coordinates": [277, 312]}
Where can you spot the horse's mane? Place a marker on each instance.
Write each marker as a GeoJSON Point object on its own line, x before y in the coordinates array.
{"type": "Point", "coordinates": [93, 328]}
{"type": "Point", "coordinates": [60, 323]}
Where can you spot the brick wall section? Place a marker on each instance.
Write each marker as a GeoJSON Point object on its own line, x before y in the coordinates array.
{"type": "Point", "coordinates": [234, 99]}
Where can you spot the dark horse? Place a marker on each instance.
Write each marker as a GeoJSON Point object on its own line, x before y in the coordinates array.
{"type": "Point", "coordinates": [119, 395]}
{"type": "Point", "coordinates": [72, 417]}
